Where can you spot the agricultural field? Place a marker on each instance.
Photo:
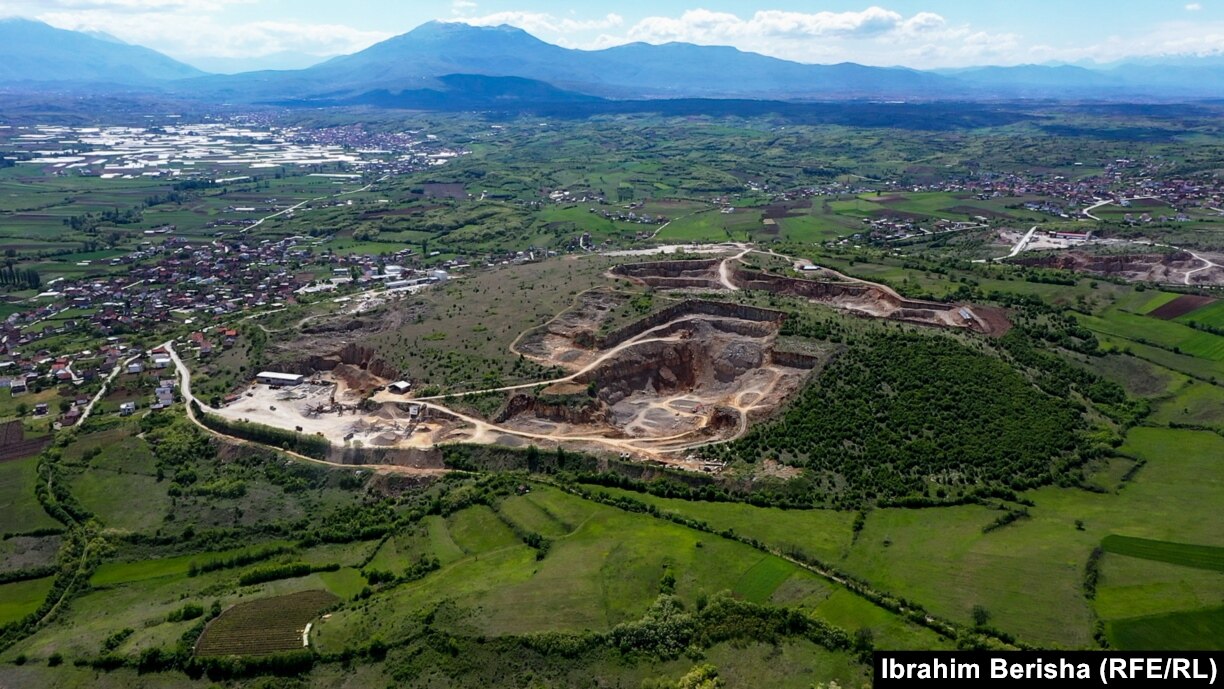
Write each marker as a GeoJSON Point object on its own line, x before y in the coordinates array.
{"type": "Point", "coordinates": [1169, 335]}
{"type": "Point", "coordinates": [267, 626]}
{"type": "Point", "coordinates": [1197, 556]}
{"type": "Point", "coordinates": [22, 598]}
{"type": "Point", "coordinates": [1211, 315]}
{"type": "Point", "coordinates": [22, 513]}
{"type": "Point", "coordinates": [834, 467]}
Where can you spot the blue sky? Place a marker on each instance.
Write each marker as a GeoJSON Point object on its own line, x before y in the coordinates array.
{"type": "Point", "coordinates": [234, 34]}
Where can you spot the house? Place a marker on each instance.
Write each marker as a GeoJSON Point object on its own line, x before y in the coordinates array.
{"type": "Point", "coordinates": [127, 409]}
{"type": "Point", "coordinates": [400, 388]}
{"type": "Point", "coordinates": [135, 367]}
{"type": "Point", "coordinates": [70, 417]}
{"type": "Point", "coordinates": [40, 409]}
{"type": "Point", "coordinates": [275, 379]}
{"type": "Point", "coordinates": [17, 386]}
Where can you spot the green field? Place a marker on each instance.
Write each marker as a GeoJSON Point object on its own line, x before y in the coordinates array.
{"type": "Point", "coordinates": [762, 580]}
{"type": "Point", "coordinates": [1201, 630]}
{"type": "Point", "coordinates": [107, 494]}
{"type": "Point", "coordinates": [1131, 587]}
{"type": "Point", "coordinates": [1145, 303]}
{"type": "Point", "coordinates": [1184, 554]}
{"type": "Point", "coordinates": [823, 534]}
{"type": "Point", "coordinates": [17, 502]}
{"type": "Point", "coordinates": [115, 573]}
{"type": "Point", "coordinates": [1168, 334]}
{"type": "Point", "coordinates": [603, 570]}
{"type": "Point", "coordinates": [1182, 363]}
{"type": "Point", "coordinates": [22, 598]}
{"type": "Point", "coordinates": [1211, 315]}
{"type": "Point", "coordinates": [1197, 404]}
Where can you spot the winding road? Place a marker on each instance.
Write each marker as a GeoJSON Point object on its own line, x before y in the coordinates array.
{"type": "Point", "coordinates": [1020, 245]}
{"type": "Point", "coordinates": [184, 376]}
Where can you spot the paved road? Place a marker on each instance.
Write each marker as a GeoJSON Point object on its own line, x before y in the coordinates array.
{"type": "Point", "coordinates": [1020, 245]}
{"type": "Point", "coordinates": [184, 375]}
{"type": "Point", "coordinates": [119, 368]}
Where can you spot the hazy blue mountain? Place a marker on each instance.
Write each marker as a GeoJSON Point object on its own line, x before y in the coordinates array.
{"type": "Point", "coordinates": [417, 59]}
{"type": "Point", "coordinates": [424, 66]}
{"type": "Point", "coordinates": [32, 51]}
{"type": "Point", "coordinates": [465, 92]}
{"type": "Point", "coordinates": [285, 60]}
{"type": "Point", "coordinates": [1037, 80]}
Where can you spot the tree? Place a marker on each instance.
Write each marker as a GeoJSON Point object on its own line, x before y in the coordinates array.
{"type": "Point", "coordinates": [701, 677]}
{"type": "Point", "coordinates": [980, 616]}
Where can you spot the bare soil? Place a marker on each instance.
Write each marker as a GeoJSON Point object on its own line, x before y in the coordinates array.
{"type": "Point", "coordinates": [1181, 306]}
{"type": "Point", "coordinates": [1167, 268]}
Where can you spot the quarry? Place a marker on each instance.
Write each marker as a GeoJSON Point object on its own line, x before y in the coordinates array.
{"type": "Point", "coordinates": [698, 369]}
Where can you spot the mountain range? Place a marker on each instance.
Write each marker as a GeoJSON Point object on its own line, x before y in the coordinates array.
{"type": "Point", "coordinates": [35, 53]}
{"type": "Point", "coordinates": [443, 64]}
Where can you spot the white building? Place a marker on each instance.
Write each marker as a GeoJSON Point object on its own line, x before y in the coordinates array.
{"type": "Point", "coordinates": [280, 379]}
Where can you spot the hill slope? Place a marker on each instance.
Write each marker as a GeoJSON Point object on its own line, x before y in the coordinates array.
{"type": "Point", "coordinates": [32, 51]}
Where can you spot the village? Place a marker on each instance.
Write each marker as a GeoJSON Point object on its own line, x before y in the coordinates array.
{"type": "Point", "coordinates": [201, 150]}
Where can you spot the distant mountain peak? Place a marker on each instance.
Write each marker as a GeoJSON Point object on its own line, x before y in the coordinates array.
{"type": "Point", "coordinates": [36, 52]}
{"type": "Point", "coordinates": [450, 29]}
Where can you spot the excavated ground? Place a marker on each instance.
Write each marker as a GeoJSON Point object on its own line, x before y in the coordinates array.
{"type": "Point", "coordinates": [691, 380]}
{"type": "Point", "coordinates": [1171, 268]}
{"type": "Point", "coordinates": [692, 373]}
{"type": "Point", "coordinates": [829, 287]}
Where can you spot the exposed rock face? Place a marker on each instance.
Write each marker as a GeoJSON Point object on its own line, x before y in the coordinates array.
{"type": "Point", "coordinates": [722, 419]}
{"type": "Point", "coordinates": [824, 291]}
{"type": "Point", "coordinates": [351, 355]}
{"type": "Point", "coordinates": [522, 404]}
{"type": "Point", "coordinates": [701, 273]}
{"type": "Point", "coordinates": [1111, 265]}
{"type": "Point", "coordinates": [668, 368]}
{"type": "Point", "coordinates": [664, 367]}
{"type": "Point", "coordinates": [794, 360]}
{"type": "Point", "coordinates": [411, 457]}
{"type": "Point", "coordinates": [688, 308]}
{"type": "Point", "coordinates": [736, 359]}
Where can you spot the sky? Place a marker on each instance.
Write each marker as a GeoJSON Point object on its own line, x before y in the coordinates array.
{"type": "Point", "coordinates": [232, 35]}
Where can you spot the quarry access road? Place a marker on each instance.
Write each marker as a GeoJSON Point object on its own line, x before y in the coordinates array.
{"type": "Point", "coordinates": [184, 376]}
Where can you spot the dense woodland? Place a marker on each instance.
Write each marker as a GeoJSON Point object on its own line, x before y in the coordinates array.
{"type": "Point", "coordinates": [900, 414]}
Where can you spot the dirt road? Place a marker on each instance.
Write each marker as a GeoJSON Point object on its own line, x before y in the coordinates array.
{"type": "Point", "coordinates": [184, 375]}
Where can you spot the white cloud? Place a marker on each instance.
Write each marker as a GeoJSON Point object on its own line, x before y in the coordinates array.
{"type": "Point", "coordinates": [1194, 7]}
{"type": "Point", "coordinates": [462, 6]}
{"type": "Point", "coordinates": [120, 6]}
{"type": "Point", "coordinates": [875, 35]}
{"type": "Point", "coordinates": [189, 35]}
{"type": "Point", "coordinates": [705, 26]}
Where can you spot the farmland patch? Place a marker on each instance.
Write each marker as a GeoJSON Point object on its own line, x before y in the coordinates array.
{"type": "Point", "coordinates": [262, 627]}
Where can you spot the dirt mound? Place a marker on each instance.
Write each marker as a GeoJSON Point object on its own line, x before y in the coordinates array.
{"type": "Point", "coordinates": [357, 379]}
{"type": "Point", "coordinates": [574, 327]}
{"type": "Point", "coordinates": [873, 300]}
{"type": "Point", "coordinates": [699, 274]}
{"type": "Point", "coordinates": [335, 327]}
{"type": "Point", "coordinates": [564, 389]}
{"type": "Point", "coordinates": [1171, 268]}
{"type": "Point", "coordinates": [576, 411]}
